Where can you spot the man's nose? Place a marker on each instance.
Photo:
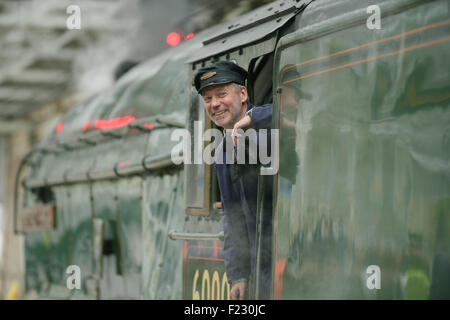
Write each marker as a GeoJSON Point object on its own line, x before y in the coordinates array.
{"type": "Point", "coordinates": [215, 103]}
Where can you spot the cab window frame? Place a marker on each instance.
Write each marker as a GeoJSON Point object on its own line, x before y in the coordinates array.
{"type": "Point", "coordinates": [195, 113]}
{"type": "Point", "coordinates": [212, 202]}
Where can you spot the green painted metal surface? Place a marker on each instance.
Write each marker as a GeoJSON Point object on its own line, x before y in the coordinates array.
{"type": "Point", "coordinates": [162, 269]}
{"type": "Point", "coordinates": [96, 181]}
{"type": "Point", "coordinates": [363, 180]}
{"type": "Point", "coordinates": [365, 175]}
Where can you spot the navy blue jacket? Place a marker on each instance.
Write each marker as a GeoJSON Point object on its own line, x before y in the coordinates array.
{"type": "Point", "coordinates": [238, 188]}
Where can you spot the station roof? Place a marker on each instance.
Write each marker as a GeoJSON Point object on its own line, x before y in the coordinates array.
{"type": "Point", "coordinates": [38, 52]}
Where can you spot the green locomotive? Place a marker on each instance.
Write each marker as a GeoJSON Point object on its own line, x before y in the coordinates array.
{"type": "Point", "coordinates": [361, 97]}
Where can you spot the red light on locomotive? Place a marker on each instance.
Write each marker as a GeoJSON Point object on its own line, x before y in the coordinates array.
{"type": "Point", "coordinates": [59, 127]}
{"type": "Point", "coordinates": [188, 36]}
{"type": "Point", "coordinates": [173, 39]}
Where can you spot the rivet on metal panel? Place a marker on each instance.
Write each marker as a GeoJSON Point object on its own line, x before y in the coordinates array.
{"type": "Point", "coordinates": [269, 9]}
{"type": "Point", "coordinates": [279, 19]}
{"type": "Point", "coordinates": [241, 51]}
{"type": "Point", "coordinates": [227, 56]}
{"type": "Point", "coordinates": [224, 40]}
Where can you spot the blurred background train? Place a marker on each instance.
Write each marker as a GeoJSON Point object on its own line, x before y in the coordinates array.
{"type": "Point", "coordinates": [361, 210]}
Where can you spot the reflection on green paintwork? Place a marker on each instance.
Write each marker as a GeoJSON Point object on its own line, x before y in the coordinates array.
{"type": "Point", "coordinates": [372, 148]}
{"type": "Point", "coordinates": [418, 285]}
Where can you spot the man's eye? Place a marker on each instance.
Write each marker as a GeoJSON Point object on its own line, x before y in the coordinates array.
{"type": "Point", "coordinates": [208, 99]}
{"type": "Point", "coordinates": [222, 94]}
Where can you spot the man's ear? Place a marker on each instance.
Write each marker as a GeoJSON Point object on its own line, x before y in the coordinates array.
{"type": "Point", "coordinates": [244, 94]}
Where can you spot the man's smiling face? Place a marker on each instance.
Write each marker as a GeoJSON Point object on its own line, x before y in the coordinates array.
{"type": "Point", "coordinates": [225, 103]}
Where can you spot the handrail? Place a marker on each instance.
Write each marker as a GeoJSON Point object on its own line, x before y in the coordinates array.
{"type": "Point", "coordinates": [174, 235]}
{"type": "Point", "coordinates": [170, 123]}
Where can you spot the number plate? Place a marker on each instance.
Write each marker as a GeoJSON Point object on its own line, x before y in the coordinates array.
{"type": "Point", "coordinates": [205, 277]}
{"type": "Point", "coordinates": [38, 218]}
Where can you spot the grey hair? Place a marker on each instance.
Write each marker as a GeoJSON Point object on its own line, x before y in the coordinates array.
{"type": "Point", "coordinates": [238, 88]}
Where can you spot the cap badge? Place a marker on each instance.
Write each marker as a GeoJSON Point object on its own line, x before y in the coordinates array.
{"type": "Point", "coordinates": [207, 75]}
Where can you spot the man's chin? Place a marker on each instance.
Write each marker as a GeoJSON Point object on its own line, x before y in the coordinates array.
{"type": "Point", "coordinates": [221, 123]}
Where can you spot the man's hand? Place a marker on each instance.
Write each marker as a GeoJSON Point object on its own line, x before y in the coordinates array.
{"type": "Point", "coordinates": [239, 290]}
{"type": "Point", "coordinates": [244, 123]}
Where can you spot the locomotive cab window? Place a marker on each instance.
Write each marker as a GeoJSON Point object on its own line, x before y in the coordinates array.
{"type": "Point", "coordinates": [260, 80]}
{"type": "Point", "coordinates": [201, 185]}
